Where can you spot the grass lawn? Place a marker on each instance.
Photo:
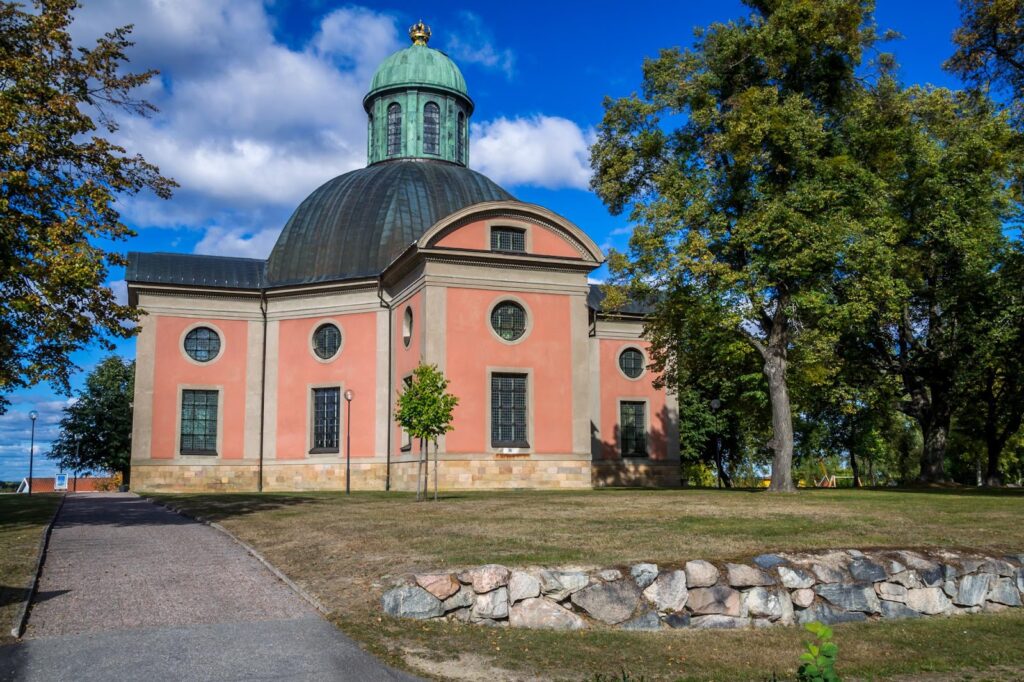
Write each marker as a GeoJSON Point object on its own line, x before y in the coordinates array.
{"type": "Point", "coordinates": [342, 550]}
{"type": "Point", "coordinates": [22, 522]}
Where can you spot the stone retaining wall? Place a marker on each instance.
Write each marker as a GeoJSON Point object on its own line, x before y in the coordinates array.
{"type": "Point", "coordinates": [774, 589]}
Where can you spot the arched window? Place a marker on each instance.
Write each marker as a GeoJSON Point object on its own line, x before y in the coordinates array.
{"type": "Point", "coordinates": [394, 129]}
{"type": "Point", "coordinates": [460, 139]}
{"type": "Point", "coordinates": [431, 128]}
{"type": "Point", "coordinates": [370, 137]}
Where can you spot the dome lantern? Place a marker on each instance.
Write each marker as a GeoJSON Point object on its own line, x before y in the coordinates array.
{"type": "Point", "coordinates": [418, 105]}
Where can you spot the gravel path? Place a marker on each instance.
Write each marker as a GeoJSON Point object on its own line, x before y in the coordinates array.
{"type": "Point", "coordinates": [131, 590]}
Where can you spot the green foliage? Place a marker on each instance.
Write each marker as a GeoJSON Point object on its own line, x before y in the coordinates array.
{"type": "Point", "coordinates": [96, 430]}
{"type": "Point", "coordinates": [424, 408]}
{"type": "Point", "coordinates": [60, 185]}
{"type": "Point", "coordinates": [990, 44]}
{"type": "Point", "coordinates": [818, 662]}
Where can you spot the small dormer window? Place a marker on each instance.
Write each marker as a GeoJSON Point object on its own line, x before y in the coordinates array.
{"type": "Point", "coordinates": [508, 239]}
{"type": "Point", "coordinates": [431, 128]}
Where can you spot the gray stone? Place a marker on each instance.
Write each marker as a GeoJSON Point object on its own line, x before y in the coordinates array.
{"type": "Point", "coordinates": [441, 585]}
{"type": "Point", "coordinates": [718, 622]}
{"type": "Point", "coordinates": [896, 610]}
{"type": "Point", "coordinates": [486, 578]}
{"type": "Point", "coordinates": [970, 565]}
{"type": "Point", "coordinates": [993, 607]}
{"type": "Point", "coordinates": [464, 597]}
{"type": "Point", "coordinates": [803, 597]}
{"type": "Point", "coordinates": [891, 592]}
{"type": "Point", "coordinates": [460, 615]}
{"type": "Point", "coordinates": [795, 578]}
{"type": "Point", "coordinates": [827, 574]}
{"type": "Point", "coordinates": [769, 561]}
{"type": "Point", "coordinates": [999, 567]}
{"type": "Point", "coordinates": [908, 579]}
{"type": "Point", "coordinates": [763, 602]}
{"type": "Point", "coordinates": [928, 600]}
{"type": "Point", "coordinates": [645, 621]}
{"type": "Point", "coordinates": [491, 605]}
{"type": "Point", "coordinates": [950, 588]}
{"type": "Point", "coordinates": [522, 585]}
{"type": "Point", "coordinates": [1004, 591]}
{"type": "Point", "coordinates": [741, 575]}
{"type": "Point", "coordinates": [668, 592]}
{"type": "Point", "coordinates": [856, 553]}
{"type": "Point", "coordinates": [973, 589]}
{"type": "Point", "coordinates": [718, 600]}
{"type": "Point", "coordinates": [1020, 579]}
{"type": "Point", "coordinates": [610, 603]}
{"type": "Point", "coordinates": [610, 575]}
{"type": "Point", "coordinates": [850, 597]}
{"type": "Point", "coordinates": [950, 572]}
{"type": "Point", "coordinates": [542, 613]}
{"type": "Point", "coordinates": [560, 584]}
{"type": "Point", "coordinates": [411, 601]}
{"type": "Point", "coordinates": [829, 615]}
{"type": "Point", "coordinates": [644, 574]}
{"type": "Point", "coordinates": [786, 601]}
{"type": "Point", "coordinates": [891, 566]}
{"type": "Point", "coordinates": [678, 620]}
{"type": "Point", "coordinates": [867, 571]}
{"type": "Point", "coordinates": [700, 573]}
{"type": "Point", "coordinates": [931, 577]}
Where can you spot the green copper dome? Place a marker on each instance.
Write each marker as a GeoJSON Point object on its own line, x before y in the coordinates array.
{"type": "Point", "coordinates": [418, 66]}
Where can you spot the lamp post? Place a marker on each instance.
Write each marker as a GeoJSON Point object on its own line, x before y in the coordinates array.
{"type": "Point", "coordinates": [33, 415]}
{"type": "Point", "coordinates": [349, 395]}
{"type": "Point", "coordinates": [715, 404]}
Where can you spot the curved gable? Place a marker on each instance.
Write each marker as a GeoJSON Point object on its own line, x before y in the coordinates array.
{"type": "Point", "coordinates": [547, 233]}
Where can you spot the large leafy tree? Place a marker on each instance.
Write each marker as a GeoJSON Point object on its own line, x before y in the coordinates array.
{"type": "Point", "coordinates": [96, 430]}
{"type": "Point", "coordinates": [947, 161]}
{"type": "Point", "coordinates": [59, 180]}
{"type": "Point", "coordinates": [741, 188]}
{"type": "Point", "coordinates": [990, 44]}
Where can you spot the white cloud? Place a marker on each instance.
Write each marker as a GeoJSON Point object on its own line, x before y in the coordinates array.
{"type": "Point", "coordinates": [221, 241]}
{"type": "Point", "coordinates": [471, 43]}
{"type": "Point", "coordinates": [544, 151]}
{"type": "Point", "coordinates": [120, 289]}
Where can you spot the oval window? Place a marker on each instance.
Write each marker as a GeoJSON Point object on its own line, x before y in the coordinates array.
{"type": "Point", "coordinates": [407, 327]}
{"type": "Point", "coordinates": [631, 362]}
{"type": "Point", "coordinates": [508, 319]}
{"type": "Point", "coordinates": [326, 341]}
{"type": "Point", "coordinates": [202, 344]}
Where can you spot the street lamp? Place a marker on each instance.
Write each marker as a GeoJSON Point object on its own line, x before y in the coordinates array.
{"type": "Point", "coordinates": [349, 395]}
{"type": "Point", "coordinates": [33, 415]}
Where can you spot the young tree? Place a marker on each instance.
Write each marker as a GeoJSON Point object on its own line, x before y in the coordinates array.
{"type": "Point", "coordinates": [752, 199]}
{"type": "Point", "coordinates": [60, 183]}
{"type": "Point", "coordinates": [424, 411]}
{"type": "Point", "coordinates": [96, 431]}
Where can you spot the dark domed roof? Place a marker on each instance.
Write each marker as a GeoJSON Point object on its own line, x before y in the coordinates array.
{"type": "Point", "coordinates": [356, 224]}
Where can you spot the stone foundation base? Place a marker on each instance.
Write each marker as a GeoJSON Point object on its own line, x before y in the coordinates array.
{"type": "Point", "coordinates": [643, 473]}
{"type": "Point", "coordinates": [454, 474]}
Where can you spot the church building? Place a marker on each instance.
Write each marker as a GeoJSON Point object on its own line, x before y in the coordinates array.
{"type": "Point", "coordinates": [264, 374]}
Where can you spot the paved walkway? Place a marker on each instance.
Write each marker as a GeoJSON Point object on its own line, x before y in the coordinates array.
{"type": "Point", "coordinates": [132, 591]}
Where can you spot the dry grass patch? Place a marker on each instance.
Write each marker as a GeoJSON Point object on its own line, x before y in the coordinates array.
{"type": "Point", "coordinates": [23, 519]}
{"type": "Point", "coordinates": [343, 550]}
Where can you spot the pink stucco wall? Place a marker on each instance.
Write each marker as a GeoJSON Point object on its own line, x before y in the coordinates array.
{"type": "Point", "coordinates": [173, 370]}
{"type": "Point", "coordinates": [616, 386]}
{"type": "Point", "coordinates": [299, 370]}
{"type": "Point", "coordinates": [476, 236]}
{"type": "Point", "coordinates": [547, 351]}
{"type": "Point", "coordinates": [406, 359]}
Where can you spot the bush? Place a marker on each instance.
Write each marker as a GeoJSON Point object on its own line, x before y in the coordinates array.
{"type": "Point", "coordinates": [820, 658]}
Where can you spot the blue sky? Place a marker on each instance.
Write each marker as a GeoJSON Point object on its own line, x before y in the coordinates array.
{"type": "Point", "coordinates": [260, 103]}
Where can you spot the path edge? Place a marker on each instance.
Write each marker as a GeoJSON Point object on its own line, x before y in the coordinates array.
{"type": "Point", "coordinates": [44, 543]}
{"type": "Point", "coordinates": [309, 598]}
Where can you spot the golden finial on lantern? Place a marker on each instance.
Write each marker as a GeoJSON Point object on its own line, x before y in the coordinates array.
{"type": "Point", "coordinates": [420, 33]}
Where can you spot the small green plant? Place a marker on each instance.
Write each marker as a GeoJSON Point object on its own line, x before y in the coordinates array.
{"type": "Point", "coordinates": [820, 658]}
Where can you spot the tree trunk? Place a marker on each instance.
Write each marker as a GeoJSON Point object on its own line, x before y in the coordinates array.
{"type": "Point", "coordinates": [935, 431]}
{"type": "Point", "coordinates": [419, 471]}
{"type": "Point", "coordinates": [435, 471]}
{"type": "Point", "coordinates": [994, 443]}
{"type": "Point", "coordinates": [126, 475]}
{"type": "Point", "coordinates": [782, 420]}
{"type": "Point", "coordinates": [854, 469]}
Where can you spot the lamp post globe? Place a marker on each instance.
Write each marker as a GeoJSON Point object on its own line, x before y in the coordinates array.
{"type": "Point", "coordinates": [349, 395]}
{"type": "Point", "coordinates": [33, 415]}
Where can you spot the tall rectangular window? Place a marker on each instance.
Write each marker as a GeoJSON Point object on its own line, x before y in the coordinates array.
{"type": "Point", "coordinates": [508, 239]}
{"type": "Point", "coordinates": [508, 411]}
{"type": "Point", "coordinates": [326, 419]}
{"type": "Point", "coordinates": [633, 423]}
{"type": "Point", "coordinates": [198, 422]}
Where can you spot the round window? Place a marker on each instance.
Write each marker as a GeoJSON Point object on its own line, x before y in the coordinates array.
{"type": "Point", "coordinates": [508, 319]}
{"type": "Point", "coordinates": [631, 362]}
{"type": "Point", "coordinates": [326, 341]}
{"type": "Point", "coordinates": [407, 327]}
{"type": "Point", "coordinates": [202, 344]}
